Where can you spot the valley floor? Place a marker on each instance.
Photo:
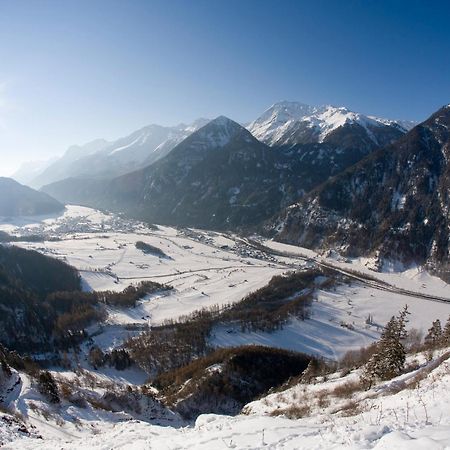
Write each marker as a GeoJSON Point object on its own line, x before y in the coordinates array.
{"type": "Point", "coordinates": [210, 268]}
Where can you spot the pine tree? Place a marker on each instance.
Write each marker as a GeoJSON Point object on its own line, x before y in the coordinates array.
{"type": "Point", "coordinates": [47, 386]}
{"type": "Point", "coordinates": [402, 320]}
{"type": "Point", "coordinates": [389, 359]}
{"type": "Point", "coordinates": [434, 337]}
{"type": "Point", "coordinates": [446, 333]}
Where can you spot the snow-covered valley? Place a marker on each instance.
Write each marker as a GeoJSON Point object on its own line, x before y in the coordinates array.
{"type": "Point", "coordinates": [206, 269]}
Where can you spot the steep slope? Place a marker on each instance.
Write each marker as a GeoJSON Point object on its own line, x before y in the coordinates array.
{"type": "Point", "coordinates": [27, 321]}
{"type": "Point", "coordinates": [290, 123]}
{"type": "Point", "coordinates": [219, 177]}
{"type": "Point", "coordinates": [19, 200]}
{"type": "Point", "coordinates": [102, 159]}
{"type": "Point", "coordinates": [395, 202]}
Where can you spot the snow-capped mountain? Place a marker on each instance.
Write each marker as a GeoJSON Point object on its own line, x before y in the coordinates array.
{"type": "Point", "coordinates": [108, 159]}
{"type": "Point", "coordinates": [394, 202]}
{"type": "Point", "coordinates": [220, 176]}
{"type": "Point", "coordinates": [288, 123]}
{"type": "Point", "coordinates": [208, 178]}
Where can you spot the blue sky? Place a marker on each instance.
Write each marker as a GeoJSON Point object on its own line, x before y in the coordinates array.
{"type": "Point", "coordinates": [72, 71]}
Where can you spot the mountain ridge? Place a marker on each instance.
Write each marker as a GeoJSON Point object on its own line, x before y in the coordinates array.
{"type": "Point", "coordinates": [392, 204]}
{"type": "Point", "coordinates": [19, 200]}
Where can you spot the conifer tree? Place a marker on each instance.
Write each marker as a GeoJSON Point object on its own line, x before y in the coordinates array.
{"type": "Point", "coordinates": [434, 336]}
{"type": "Point", "coordinates": [389, 358]}
{"type": "Point", "coordinates": [446, 333]}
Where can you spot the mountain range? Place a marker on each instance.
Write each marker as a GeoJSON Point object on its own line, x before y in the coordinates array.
{"type": "Point", "coordinates": [221, 176]}
{"type": "Point", "coordinates": [290, 123]}
{"type": "Point", "coordinates": [104, 159]}
{"type": "Point", "coordinates": [319, 177]}
{"type": "Point", "coordinates": [394, 203]}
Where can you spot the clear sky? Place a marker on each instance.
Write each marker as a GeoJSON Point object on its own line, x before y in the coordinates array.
{"type": "Point", "coordinates": [73, 71]}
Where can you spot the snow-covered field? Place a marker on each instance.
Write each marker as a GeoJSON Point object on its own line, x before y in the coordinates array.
{"type": "Point", "coordinates": [209, 268]}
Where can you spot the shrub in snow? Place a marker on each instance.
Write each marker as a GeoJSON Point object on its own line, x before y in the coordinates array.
{"type": "Point", "coordinates": [47, 387]}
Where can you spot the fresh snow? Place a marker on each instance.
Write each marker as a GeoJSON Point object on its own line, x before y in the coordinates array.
{"type": "Point", "coordinates": [389, 416]}
{"type": "Point", "coordinates": [207, 268]}
{"type": "Point", "coordinates": [280, 118]}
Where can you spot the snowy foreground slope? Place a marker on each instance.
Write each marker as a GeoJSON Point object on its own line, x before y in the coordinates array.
{"type": "Point", "coordinates": [208, 268]}
{"type": "Point", "coordinates": [409, 412]}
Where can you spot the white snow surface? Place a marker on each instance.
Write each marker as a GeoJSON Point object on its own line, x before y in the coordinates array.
{"type": "Point", "coordinates": [280, 118]}
{"type": "Point", "coordinates": [389, 416]}
{"type": "Point", "coordinates": [208, 268]}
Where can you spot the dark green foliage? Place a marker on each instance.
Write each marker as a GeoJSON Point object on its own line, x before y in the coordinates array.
{"type": "Point", "coordinates": [96, 357]}
{"type": "Point", "coordinates": [150, 249]}
{"type": "Point", "coordinates": [389, 358]}
{"type": "Point", "coordinates": [42, 306]}
{"type": "Point", "coordinates": [5, 237]}
{"type": "Point", "coordinates": [47, 387]}
{"type": "Point", "coordinates": [177, 343]}
{"type": "Point", "coordinates": [434, 338]}
{"type": "Point", "coordinates": [120, 359]}
{"type": "Point", "coordinates": [446, 333]}
{"type": "Point", "coordinates": [270, 307]}
{"type": "Point", "coordinates": [227, 379]}
{"type": "Point", "coordinates": [130, 295]}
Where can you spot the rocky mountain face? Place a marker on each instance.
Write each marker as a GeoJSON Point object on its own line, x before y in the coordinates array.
{"type": "Point", "coordinates": [104, 159]}
{"type": "Point", "coordinates": [290, 123]}
{"type": "Point", "coordinates": [19, 200]}
{"type": "Point", "coordinates": [394, 203]}
{"type": "Point", "coordinates": [219, 177]}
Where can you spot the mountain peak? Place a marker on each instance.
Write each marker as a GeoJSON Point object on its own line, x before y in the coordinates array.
{"type": "Point", "coordinates": [287, 123]}
{"type": "Point", "coordinates": [224, 121]}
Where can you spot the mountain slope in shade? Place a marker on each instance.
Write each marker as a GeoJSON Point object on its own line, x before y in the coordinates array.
{"type": "Point", "coordinates": [290, 123]}
{"type": "Point", "coordinates": [219, 177]}
{"type": "Point", "coordinates": [19, 200]}
{"type": "Point", "coordinates": [109, 159]}
{"type": "Point", "coordinates": [394, 203]}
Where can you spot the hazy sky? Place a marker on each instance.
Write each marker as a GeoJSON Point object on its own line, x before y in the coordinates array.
{"type": "Point", "coordinates": [72, 71]}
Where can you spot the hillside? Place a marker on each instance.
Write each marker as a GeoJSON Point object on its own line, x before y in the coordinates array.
{"type": "Point", "coordinates": [19, 200]}
{"type": "Point", "coordinates": [394, 203]}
